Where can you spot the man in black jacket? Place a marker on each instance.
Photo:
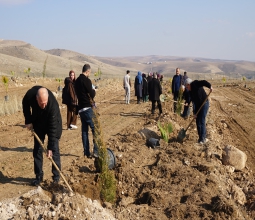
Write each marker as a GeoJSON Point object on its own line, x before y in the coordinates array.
{"type": "Point", "coordinates": [45, 118]}
{"type": "Point", "coordinates": [85, 94]}
{"type": "Point", "coordinates": [155, 90]}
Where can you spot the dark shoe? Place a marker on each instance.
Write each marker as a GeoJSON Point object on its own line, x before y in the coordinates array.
{"type": "Point", "coordinates": [36, 182]}
{"type": "Point", "coordinates": [88, 156]}
{"type": "Point", "coordinates": [55, 181]}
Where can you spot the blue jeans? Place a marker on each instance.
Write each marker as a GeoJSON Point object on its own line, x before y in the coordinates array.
{"type": "Point", "coordinates": [86, 122]}
{"type": "Point", "coordinates": [201, 122]}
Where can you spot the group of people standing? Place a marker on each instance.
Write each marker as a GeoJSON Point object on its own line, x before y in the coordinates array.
{"type": "Point", "coordinates": [146, 88]}
{"type": "Point", "coordinates": [42, 115]}
{"type": "Point", "coordinates": [191, 91]}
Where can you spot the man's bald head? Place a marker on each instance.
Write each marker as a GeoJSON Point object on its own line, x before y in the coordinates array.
{"type": "Point", "coordinates": [42, 97]}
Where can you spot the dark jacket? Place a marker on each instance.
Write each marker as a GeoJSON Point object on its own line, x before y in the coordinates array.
{"type": "Point", "coordinates": [155, 89]}
{"type": "Point", "coordinates": [176, 83]}
{"type": "Point", "coordinates": [145, 86]}
{"type": "Point", "coordinates": [48, 120]}
{"type": "Point", "coordinates": [138, 88]}
{"type": "Point", "coordinates": [68, 93]}
{"type": "Point", "coordinates": [197, 93]}
{"type": "Point", "coordinates": [83, 89]}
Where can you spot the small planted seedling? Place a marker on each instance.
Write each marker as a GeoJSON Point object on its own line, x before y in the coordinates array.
{"type": "Point", "coordinates": [5, 81]}
{"type": "Point", "coordinates": [165, 129]}
{"type": "Point", "coordinates": [27, 71]}
{"type": "Point", "coordinates": [59, 86]}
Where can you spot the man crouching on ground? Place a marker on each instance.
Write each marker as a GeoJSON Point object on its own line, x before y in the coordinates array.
{"type": "Point", "coordinates": [45, 118]}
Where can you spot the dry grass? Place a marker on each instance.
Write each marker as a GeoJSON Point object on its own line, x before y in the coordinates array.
{"type": "Point", "coordinates": [10, 107]}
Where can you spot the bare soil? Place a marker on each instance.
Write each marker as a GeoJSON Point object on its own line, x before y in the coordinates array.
{"type": "Point", "coordinates": [173, 181]}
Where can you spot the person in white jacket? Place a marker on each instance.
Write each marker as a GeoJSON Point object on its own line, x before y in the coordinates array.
{"type": "Point", "coordinates": [127, 86]}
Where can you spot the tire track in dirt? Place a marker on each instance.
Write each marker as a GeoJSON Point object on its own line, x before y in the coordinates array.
{"type": "Point", "coordinates": [114, 111]}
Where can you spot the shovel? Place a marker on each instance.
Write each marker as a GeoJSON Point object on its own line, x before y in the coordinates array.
{"type": "Point", "coordinates": [182, 132]}
{"type": "Point", "coordinates": [54, 164]}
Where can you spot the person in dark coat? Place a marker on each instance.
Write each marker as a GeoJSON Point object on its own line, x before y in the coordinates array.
{"type": "Point", "coordinates": [139, 87]}
{"type": "Point", "coordinates": [149, 77]}
{"type": "Point", "coordinates": [85, 94]}
{"type": "Point", "coordinates": [145, 88]}
{"type": "Point", "coordinates": [185, 76]}
{"type": "Point", "coordinates": [176, 84]}
{"type": "Point", "coordinates": [198, 95]}
{"type": "Point", "coordinates": [155, 90]}
{"type": "Point", "coordinates": [70, 99]}
{"type": "Point", "coordinates": [42, 114]}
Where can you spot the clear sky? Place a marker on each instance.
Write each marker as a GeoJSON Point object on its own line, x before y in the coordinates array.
{"type": "Point", "coordinates": [218, 29]}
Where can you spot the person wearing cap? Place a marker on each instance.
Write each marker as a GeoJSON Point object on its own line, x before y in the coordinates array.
{"type": "Point", "coordinates": [127, 86]}
{"type": "Point", "coordinates": [198, 95]}
{"type": "Point", "coordinates": [176, 84]}
{"type": "Point", "coordinates": [155, 90]}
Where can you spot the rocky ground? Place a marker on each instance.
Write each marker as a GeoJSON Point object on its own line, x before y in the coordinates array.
{"type": "Point", "coordinates": [173, 181]}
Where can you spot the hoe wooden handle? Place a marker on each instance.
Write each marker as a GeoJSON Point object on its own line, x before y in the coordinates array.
{"type": "Point", "coordinates": [50, 158]}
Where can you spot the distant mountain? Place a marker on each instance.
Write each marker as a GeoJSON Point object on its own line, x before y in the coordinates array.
{"type": "Point", "coordinates": [166, 65]}
{"type": "Point", "coordinates": [18, 55]}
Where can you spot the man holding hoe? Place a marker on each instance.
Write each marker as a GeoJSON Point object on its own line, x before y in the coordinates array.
{"type": "Point", "coordinates": [45, 118]}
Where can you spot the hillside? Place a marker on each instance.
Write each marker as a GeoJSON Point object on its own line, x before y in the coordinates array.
{"type": "Point", "coordinates": [17, 56]}
{"type": "Point", "coordinates": [166, 65]}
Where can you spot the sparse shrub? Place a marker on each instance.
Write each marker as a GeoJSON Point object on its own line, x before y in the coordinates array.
{"type": "Point", "coordinates": [27, 71]}
{"type": "Point", "coordinates": [12, 106]}
{"type": "Point", "coordinates": [224, 79]}
{"type": "Point", "coordinates": [13, 73]}
{"type": "Point", "coordinates": [107, 178]}
{"type": "Point", "coordinates": [165, 129]}
{"type": "Point", "coordinates": [98, 73]}
{"type": "Point", "coordinates": [5, 81]}
{"type": "Point", "coordinates": [44, 67]}
{"type": "Point", "coordinates": [58, 80]}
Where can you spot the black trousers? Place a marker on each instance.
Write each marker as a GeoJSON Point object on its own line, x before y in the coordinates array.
{"type": "Point", "coordinates": [154, 106]}
{"type": "Point", "coordinates": [38, 156]}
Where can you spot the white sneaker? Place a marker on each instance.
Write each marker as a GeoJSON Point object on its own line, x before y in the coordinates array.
{"type": "Point", "coordinates": [204, 142]}
{"type": "Point", "coordinates": [73, 126]}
